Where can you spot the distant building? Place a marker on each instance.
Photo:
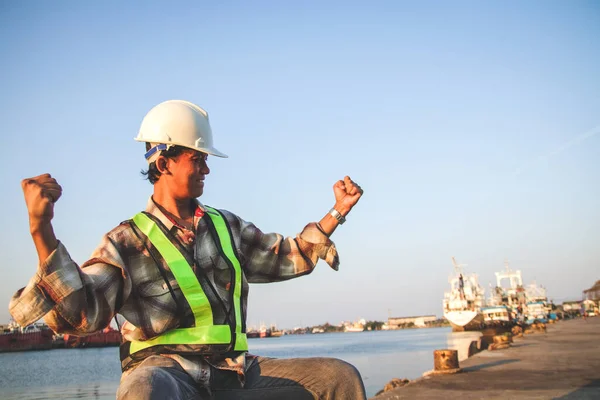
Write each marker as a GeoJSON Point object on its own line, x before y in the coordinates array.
{"type": "Point", "coordinates": [571, 306]}
{"type": "Point", "coordinates": [357, 326]}
{"type": "Point", "coordinates": [420, 320]}
{"type": "Point", "coordinates": [592, 293]}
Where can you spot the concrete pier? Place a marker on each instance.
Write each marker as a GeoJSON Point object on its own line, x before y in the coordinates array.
{"type": "Point", "coordinates": [563, 363]}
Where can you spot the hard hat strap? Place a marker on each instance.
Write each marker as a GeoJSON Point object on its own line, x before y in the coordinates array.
{"type": "Point", "coordinates": [155, 149]}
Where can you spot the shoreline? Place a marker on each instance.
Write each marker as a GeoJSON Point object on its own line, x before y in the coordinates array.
{"type": "Point", "coordinates": [562, 363]}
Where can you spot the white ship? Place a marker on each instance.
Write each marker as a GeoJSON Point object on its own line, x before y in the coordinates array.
{"type": "Point", "coordinates": [514, 294]}
{"type": "Point", "coordinates": [462, 304]}
{"type": "Point", "coordinates": [535, 292]}
{"type": "Point", "coordinates": [523, 302]}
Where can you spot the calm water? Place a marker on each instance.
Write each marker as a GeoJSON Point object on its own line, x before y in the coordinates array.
{"type": "Point", "coordinates": [95, 373]}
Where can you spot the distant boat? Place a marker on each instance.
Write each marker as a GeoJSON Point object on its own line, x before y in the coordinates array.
{"type": "Point", "coordinates": [31, 337]}
{"type": "Point", "coordinates": [531, 300]}
{"type": "Point", "coordinates": [357, 327]}
{"type": "Point", "coordinates": [253, 333]}
{"type": "Point", "coordinates": [536, 311]}
{"type": "Point", "coordinates": [265, 332]}
{"type": "Point", "coordinates": [514, 294]}
{"type": "Point", "coordinates": [462, 304]}
{"type": "Point", "coordinates": [496, 314]}
{"type": "Point", "coordinates": [276, 332]}
{"type": "Point", "coordinates": [464, 320]}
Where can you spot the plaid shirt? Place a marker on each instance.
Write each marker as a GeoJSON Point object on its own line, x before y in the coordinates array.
{"type": "Point", "coordinates": [122, 277]}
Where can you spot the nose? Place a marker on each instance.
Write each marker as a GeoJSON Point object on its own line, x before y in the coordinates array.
{"type": "Point", "coordinates": [204, 168]}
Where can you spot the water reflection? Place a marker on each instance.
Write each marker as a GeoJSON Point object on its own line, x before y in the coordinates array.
{"type": "Point", "coordinates": [91, 392]}
{"type": "Point", "coordinates": [466, 343]}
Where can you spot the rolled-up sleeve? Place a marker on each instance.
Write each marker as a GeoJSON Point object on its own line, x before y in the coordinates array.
{"type": "Point", "coordinates": [271, 257]}
{"type": "Point", "coordinates": [73, 299]}
{"type": "Point", "coordinates": [317, 245]}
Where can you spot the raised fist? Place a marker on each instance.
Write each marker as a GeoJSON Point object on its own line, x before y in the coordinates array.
{"type": "Point", "coordinates": [347, 193]}
{"type": "Point", "coordinates": [41, 192]}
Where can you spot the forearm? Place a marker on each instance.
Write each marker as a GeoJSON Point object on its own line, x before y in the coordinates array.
{"type": "Point", "coordinates": [44, 239]}
{"type": "Point", "coordinates": [271, 257]}
{"type": "Point", "coordinates": [77, 300]}
{"type": "Point", "coordinates": [328, 223]}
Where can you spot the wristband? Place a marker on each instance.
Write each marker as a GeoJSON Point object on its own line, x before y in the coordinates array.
{"type": "Point", "coordinates": [339, 217]}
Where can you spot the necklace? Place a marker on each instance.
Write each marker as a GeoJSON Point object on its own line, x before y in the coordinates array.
{"type": "Point", "coordinates": [183, 223]}
{"type": "Point", "coordinates": [187, 232]}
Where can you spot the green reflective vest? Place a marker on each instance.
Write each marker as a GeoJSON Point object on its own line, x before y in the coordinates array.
{"type": "Point", "coordinates": [204, 331]}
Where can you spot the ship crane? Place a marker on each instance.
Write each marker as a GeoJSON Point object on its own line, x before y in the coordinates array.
{"type": "Point", "coordinates": [457, 266]}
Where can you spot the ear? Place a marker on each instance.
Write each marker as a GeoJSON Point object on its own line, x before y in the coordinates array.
{"type": "Point", "coordinates": [162, 165]}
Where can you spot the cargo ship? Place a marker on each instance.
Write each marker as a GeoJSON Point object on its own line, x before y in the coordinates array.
{"type": "Point", "coordinates": [264, 332]}
{"type": "Point", "coordinates": [39, 336]}
{"type": "Point", "coordinates": [31, 337]}
{"type": "Point", "coordinates": [462, 304]}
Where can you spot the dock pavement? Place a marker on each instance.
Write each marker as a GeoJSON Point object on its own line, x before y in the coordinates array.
{"type": "Point", "coordinates": [563, 363]}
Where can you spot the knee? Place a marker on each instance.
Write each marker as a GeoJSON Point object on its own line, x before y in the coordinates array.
{"type": "Point", "coordinates": [340, 371]}
{"type": "Point", "coordinates": [145, 383]}
{"type": "Point", "coordinates": [343, 370]}
{"type": "Point", "coordinates": [344, 380]}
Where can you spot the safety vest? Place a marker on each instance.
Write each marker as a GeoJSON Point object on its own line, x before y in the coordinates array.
{"type": "Point", "coordinates": [204, 333]}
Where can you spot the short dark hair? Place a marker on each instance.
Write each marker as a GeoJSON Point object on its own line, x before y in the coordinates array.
{"type": "Point", "coordinates": [152, 174]}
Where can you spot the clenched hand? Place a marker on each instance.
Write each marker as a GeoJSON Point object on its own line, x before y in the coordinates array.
{"type": "Point", "coordinates": [347, 193]}
{"type": "Point", "coordinates": [41, 192]}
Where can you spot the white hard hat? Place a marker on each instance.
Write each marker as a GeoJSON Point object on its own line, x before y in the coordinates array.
{"type": "Point", "coordinates": [177, 122]}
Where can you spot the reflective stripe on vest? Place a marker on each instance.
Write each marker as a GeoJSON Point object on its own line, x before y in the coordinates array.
{"type": "Point", "coordinates": [204, 331]}
{"type": "Point", "coordinates": [226, 244]}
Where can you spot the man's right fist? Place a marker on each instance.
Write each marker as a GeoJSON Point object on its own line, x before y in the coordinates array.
{"type": "Point", "coordinates": [41, 192]}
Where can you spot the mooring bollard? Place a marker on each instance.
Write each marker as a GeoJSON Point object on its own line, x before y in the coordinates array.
{"type": "Point", "coordinates": [500, 342]}
{"type": "Point", "coordinates": [541, 326]}
{"type": "Point", "coordinates": [503, 339]}
{"type": "Point", "coordinates": [444, 362]}
{"type": "Point", "coordinates": [517, 331]}
{"type": "Point", "coordinates": [499, 339]}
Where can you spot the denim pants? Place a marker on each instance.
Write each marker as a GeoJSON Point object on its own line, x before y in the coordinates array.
{"type": "Point", "coordinates": [161, 378]}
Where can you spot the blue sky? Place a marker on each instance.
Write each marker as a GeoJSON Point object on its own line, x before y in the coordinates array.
{"type": "Point", "coordinates": [474, 129]}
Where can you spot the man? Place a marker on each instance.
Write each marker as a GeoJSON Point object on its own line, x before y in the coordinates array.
{"type": "Point", "coordinates": [178, 276]}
